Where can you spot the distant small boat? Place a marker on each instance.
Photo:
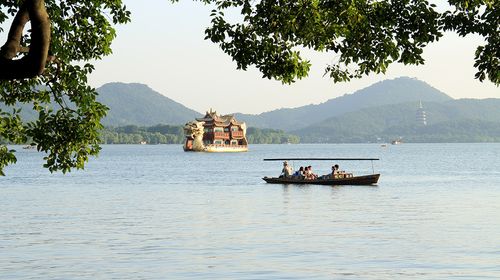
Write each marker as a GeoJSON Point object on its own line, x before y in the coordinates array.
{"type": "Point", "coordinates": [354, 180]}
{"type": "Point", "coordinates": [396, 142]}
{"type": "Point", "coordinates": [29, 147]}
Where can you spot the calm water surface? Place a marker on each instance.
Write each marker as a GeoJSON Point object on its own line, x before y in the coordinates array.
{"type": "Point", "coordinates": [155, 212]}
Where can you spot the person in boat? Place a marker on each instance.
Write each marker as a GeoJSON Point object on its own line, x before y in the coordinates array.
{"type": "Point", "coordinates": [306, 173]}
{"type": "Point", "coordinates": [330, 175]}
{"type": "Point", "coordinates": [309, 174]}
{"type": "Point", "coordinates": [287, 170]}
{"type": "Point", "coordinates": [335, 171]}
{"type": "Point", "coordinates": [340, 173]}
{"type": "Point", "coordinates": [299, 174]}
{"type": "Point", "coordinates": [314, 176]}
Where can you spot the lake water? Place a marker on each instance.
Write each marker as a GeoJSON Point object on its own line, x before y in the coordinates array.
{"type": "Point", "coordinates": [156, 212]}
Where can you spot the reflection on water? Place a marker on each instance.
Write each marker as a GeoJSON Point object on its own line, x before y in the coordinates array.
{"type": "Point", "coordinates": [155, 212]}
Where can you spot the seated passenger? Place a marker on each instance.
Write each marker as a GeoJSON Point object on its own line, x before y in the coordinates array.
{"type": "Point", "coordinates": [313, 176]}
{"type": "Point", "coordinates": [306, 173]}
{"type": "Point", "coordinates": [286, 171]}
{"type": "Point", "coordinates": [335, 171]}
{"type": "Point", "coordinates": [299, 174]}
{"type": "Point", "coordinates": [329, 175]}
{"type": "Point", "coordinates": [309, 174]}
{"type": "Point", "coordinates": [341, 173]}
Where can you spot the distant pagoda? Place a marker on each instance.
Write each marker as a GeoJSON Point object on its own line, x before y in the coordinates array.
{"type": "Point", "coordinates": [421, 117]}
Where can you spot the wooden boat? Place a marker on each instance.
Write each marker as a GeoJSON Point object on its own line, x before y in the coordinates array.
{"type": "Point", "coordinates": [339, 179]}
{"type": "Point", "coordinates": [371, 179]}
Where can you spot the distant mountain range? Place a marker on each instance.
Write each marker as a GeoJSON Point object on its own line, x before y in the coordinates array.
{"type": "Point", "coordinates": [464, 120]}
{"type": "Point", "coordinates": [381, 111]}
{"type": "Point", "coordinates": [400, 90]}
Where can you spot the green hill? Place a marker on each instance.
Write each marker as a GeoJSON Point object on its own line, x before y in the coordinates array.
{"type": "Point", "coordinates": [464, 120]}
{"type": "Point", "coordinates": [137, 104]}
{"type": "Point", "coordinates": [387, 92]}
{"type": "Point", "coordinates": [131, 104]}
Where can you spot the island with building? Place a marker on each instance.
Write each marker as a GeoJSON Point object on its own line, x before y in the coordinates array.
{"type": "Point", "coordinates": [215, 133]}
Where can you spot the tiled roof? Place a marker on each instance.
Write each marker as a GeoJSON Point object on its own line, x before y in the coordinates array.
{"type": "Point", "coordinates": [224, 120]}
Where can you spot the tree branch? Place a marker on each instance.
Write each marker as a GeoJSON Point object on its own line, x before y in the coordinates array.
{"type": "Point", "coordinates": [32, 64]}
{"type": "Point", "coordinates": [13, 44]}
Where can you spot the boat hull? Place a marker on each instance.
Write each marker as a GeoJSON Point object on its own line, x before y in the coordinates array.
{"type": "Point", "coordinates": [357, 180]}
{"type": "Point", "coordinates": [218, 149]}
{"type": "Point", "coordinates": [225, 149]}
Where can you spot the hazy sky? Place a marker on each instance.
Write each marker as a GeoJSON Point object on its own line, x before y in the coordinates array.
{"type": "Point", "coordinates": [164, 48]}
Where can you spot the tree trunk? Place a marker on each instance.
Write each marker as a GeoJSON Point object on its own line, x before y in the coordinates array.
{"type": "Point", "coordinates": [33, 63]}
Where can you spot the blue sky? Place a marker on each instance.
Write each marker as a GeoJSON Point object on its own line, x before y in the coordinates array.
{"type": "Point", "coordinates": [164, 47]}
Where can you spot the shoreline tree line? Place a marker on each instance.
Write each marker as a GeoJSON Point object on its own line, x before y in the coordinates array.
{"type": "Point", "coordinates": [170, 134]}
{"type": "Point", "coordinates": [174, 134]}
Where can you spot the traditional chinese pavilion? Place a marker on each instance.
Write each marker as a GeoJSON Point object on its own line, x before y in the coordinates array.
{"type": "Point", "coordinates": [221, 133]}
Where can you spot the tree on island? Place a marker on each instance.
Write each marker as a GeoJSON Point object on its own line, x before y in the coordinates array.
{"type": "Point", "coordinates": [49, 63]}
